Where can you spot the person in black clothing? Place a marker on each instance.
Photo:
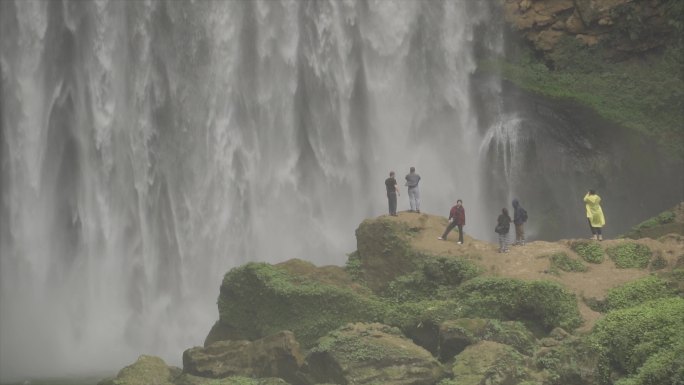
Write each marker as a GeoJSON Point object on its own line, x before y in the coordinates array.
{"type": "Point", "coordinates": [503, 225]}
{"type": "Point", "coordinates": [519, 219]}
{"type": "Point", "coordinates": [392, 193]}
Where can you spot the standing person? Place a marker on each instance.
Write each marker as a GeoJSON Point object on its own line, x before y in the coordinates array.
{"type": "Point", "coordinates": [594, 214]}
{"type": "Point", "coordinates": [519, 219]}
{"type": "Point", "coordinates": [503, 225]}
{"type": "Point", "coordinates": [392, 193]}
{"type": "Point", "coordinates": [412, 180]}
{"type": "Point", "coordinates": [456, 218]}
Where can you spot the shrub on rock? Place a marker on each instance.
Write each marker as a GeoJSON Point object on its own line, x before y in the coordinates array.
{"type": "Point", "coordinates": [589, 251]}
{"type": "Point", "coordinates": [489, 363]}
{"type": "Point", "coordinates": [630, 255]}
{"type": "Point", "coordinates": [258, 299]}
{"type": "Point", "coordinates": [544, 304]}
{"type": "Point", "coordinates": [637, 292]}
{"type": "Point", "coordinates": [643, 338]}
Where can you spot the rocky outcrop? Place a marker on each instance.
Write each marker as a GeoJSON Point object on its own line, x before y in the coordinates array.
{"type": "Point", "coordinates": [456, 335]}
{"type": "Point", "coordinates": [278, 355]}
{"type": "Point", "coordinates": [631, 26]}
{"type": "Point", "coordinates": [365, 354]}
{"type": "Point", "coordinates": [147, 370]}
{"type": "Point", "coordinates": [489, 363]}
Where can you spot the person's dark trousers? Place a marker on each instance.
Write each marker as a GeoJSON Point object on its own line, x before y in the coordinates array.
{"type": "Point", "coordinates": [594, 230]}
{"type": "Point", "coordinates": [450, 227]}
{"type": "Point", "coordinates": [392, 200]}
{"type": "Point", "coordinates": [460, 233]}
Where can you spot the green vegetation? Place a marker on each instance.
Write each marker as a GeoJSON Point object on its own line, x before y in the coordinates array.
{"type": "Point", "coordinates": [573, 361]}
{"type": "Point", "coordinates": [259, 299]}
{"type": "Point", "coordinates": [458, 333]}
{"type": "Point", "coordinates": [540, 304]}
{"type": "Point", "coordinates": [563, 262]}
{"type": "Point", "coordinates": [433, 278]}
{"type": "Point", "coordinates": [186, 379]}
{"type": "Point", "coordinates": [637, 292]}
{"type": "Point", "coordinates": [630, 255]}
{"type": "Point", "coordinates": [589, 251]}
{"type": "Point", "coordinates": [645, 95]}
{"type": "Point", "coordinates": [643, 342]}
{"type": "Point", "coordinates": [655, 227]}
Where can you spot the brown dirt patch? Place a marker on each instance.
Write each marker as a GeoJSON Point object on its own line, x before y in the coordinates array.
{"type": "Point", "coordinates": [532, 260]}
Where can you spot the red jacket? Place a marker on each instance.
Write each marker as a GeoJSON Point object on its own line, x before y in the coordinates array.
{"type": "Point", "coordinates": [458, 213]}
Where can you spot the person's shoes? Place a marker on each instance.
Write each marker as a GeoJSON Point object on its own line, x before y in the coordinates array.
{"type": "Point", "coordinates": [600, 237]}
{"type": "Point", "coordinates": [594, 237]}
{"type": "Point", "coordinates": [441, 239]}
{"type": "Point", "coordinates": [459, 242]}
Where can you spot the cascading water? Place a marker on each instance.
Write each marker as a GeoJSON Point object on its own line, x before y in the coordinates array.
{"type": "Point", "coordinates": [150, 146]}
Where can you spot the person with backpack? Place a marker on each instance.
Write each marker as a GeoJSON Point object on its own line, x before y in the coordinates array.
{"type": "Point", "coordinates": [519, 219]}
{"type": "Point", "coordinates": [456, 218]}
{"type": "Point", "coordinates": [503, 225]}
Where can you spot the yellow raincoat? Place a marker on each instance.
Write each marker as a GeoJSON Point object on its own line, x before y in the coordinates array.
{"type": "Point", "coordinates": [594, 212]}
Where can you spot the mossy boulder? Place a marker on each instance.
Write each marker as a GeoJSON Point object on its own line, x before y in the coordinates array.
{"type": "Point", "coordinates": [642, 338]}
{"type": "Point", "coordinates": [542, 305]}
{"type": "Point", "coordinates": [360, 353]}
{"type": "Point", "coordinates": [667, 222]}
{"type": "Point", "coordinates": [146, 370]}
{"type": "Point", "coordinates": [433, 278]}
{"type": "Point", "coordinates": [572, 361]}
{"type": "Point", "coordinates": [259, 299]}
{"type": "Point", "coordinates": [384, 251]}
{"type": "Point", "coordinates": [630, 255]}
{"type": "Point", "coordinates": [277, 355]}
{"type": "Point", "coordinates": [188, 379]}
{"type": "Point", "coordinates": [489, 363]}
{"type": "Point", "coordinates": [456, 335]}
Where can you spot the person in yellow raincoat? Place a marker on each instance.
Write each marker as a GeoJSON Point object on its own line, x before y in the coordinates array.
{"type": "Point", "coordinates": [594, 214]}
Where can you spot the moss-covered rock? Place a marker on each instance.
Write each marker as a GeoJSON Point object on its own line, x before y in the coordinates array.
{"type": "Point", "coordinates": [188, 379]}
{"type": "Point", "coordinates": [277, 355]}
{"type": "Point", "coordinates": [573, 361]}
{"type": "Point", "coordinates": [358, 354]}
{"type": "Point", "coordinates": [259, 299]}
{"type": "Point", "coordinates": [456, 335]}
{"type": "Point", "coordinates": [146, 370]}
{"type": "Point", "coordinates": [644, 337]}
{"type": "Point", "coordinates": [637, 292]}
{"type": "Point", "coordinates": [589, 251]}
{"type": "Point", "coordinates": [540, 304]}
{"type": "Point", "coordinates": [658, 226]}
{"type": "Point", "coordinates": [489, 363]}
{"type": "Point", "coordinates": [433, 278]}
{"type": "Point", "coordinates": [630, 255]}
{"type": "Point", "coordinates": [384, 251]}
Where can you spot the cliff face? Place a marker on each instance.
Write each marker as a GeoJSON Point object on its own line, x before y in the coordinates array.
{"type": "Point", "coordinates": [628, 26]}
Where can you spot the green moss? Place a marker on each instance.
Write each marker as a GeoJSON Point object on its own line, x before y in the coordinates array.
{"type": "Point", "coordinates": [489, 363]}
{"type": "Point", "coordinates": [409, 314]}
{"type": "Point", "coordinates": [563, 262]}
{"type": "Point", "coordinates": [353, 267]}
{"type": "Point", "coordinates": [259, 299]}
{"type": "Point", "coordinates": [542, 304]}
{"type": "Point", "coordinates": [458, 333]}
{"type": "Point", "coordinates": [187, 379]}
{"type": "Point", "coordinates": [637, 292]}
{"type": "Point", "coordinates": [574, 361]}
{"type": "Point", "coordinates": [646, 96]}
{"type": "Point", "coordinates": [642, 337]}
{"type": "Point", "coordinates": [433, 279]}
{"type": "Point", "coordinates": [145, 370]}
{"type": "Point", "coordinates": [630, 255]}
{"type": "Point", "coordinates": [589, 251]}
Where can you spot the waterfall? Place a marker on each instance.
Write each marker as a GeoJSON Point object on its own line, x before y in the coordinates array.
{"type": "Point", "coordinates": [150, 146]}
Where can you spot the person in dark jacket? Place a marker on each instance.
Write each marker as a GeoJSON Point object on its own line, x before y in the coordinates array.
{"type": "Point", "coordinates": [392, 193]}
{"type": "Point", "coordinates": [519, 219]}
{"type": "Point", "coordinates": [456, 218]}
{"type": "Point", "coordinates": [503, 225]}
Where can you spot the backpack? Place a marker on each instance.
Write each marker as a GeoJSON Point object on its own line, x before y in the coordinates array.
{"type": "Point", "coordinates": [523, 214]}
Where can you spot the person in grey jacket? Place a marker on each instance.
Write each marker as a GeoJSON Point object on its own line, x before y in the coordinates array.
{"type": "Point", "coordinates": [412, 180]}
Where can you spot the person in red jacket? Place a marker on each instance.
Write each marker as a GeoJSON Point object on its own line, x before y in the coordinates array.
{"type": "Point", "coordinates": [456, 218]}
